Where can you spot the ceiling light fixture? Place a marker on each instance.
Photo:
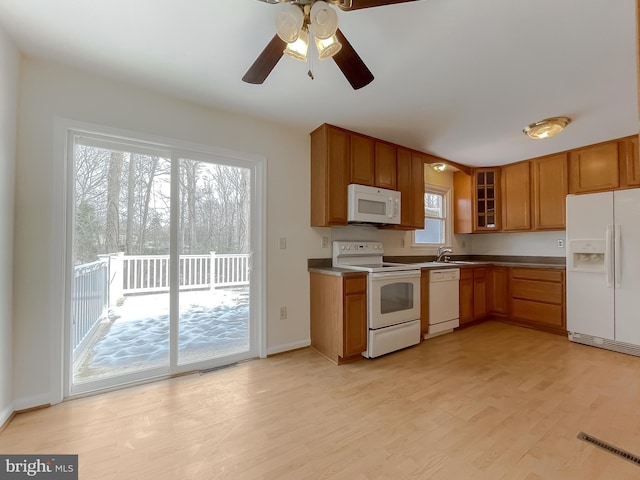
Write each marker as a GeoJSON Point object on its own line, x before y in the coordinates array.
{"type": "Point", "coordinates": [298, 49]}
{"type": "Point", "coordinates": [294, 21]}
{"type": "Point", "coordinates": [546, 128]}
{"type": "Point", "coordinates": [439, 167]}
{"type": "Point", "coordinates": [289, 22]}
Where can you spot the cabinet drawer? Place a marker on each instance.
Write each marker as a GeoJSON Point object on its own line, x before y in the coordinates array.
{"type": "Point", "coordinates": [543, 313]}
{"type": "Point", "coordinates": [466, 273]}
{"type": "Point", "coordinates": [537, 291]}
{"type": "Point", "coordinates": [355, 284]}
{"type": "Point", "coordinates": [537, 274]}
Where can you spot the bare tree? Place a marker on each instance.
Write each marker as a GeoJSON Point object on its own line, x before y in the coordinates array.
{"type": "Point", "coordinates": [112, 230]}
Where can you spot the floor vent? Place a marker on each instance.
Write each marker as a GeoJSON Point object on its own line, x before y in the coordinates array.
{"type": "Point", "coordinates": [215, 369]}
{"type": "Point", "coordinates": [610, 448]}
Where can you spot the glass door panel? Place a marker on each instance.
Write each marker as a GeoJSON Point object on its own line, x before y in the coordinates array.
{"type": "Point", "coordinates": [120, 301]}
{"type": "Point", "coordinates": [214, 248]}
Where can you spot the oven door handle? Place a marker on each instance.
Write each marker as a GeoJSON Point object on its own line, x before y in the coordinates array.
{"type": "Point", "coordinates": [394, 275]}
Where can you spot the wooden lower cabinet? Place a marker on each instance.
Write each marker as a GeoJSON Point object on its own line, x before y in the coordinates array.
{"type": "Point", "coordinates": [538, 298]}
{"type": "Point", "coordinates": [498, 291]}
{"type": "Point", "coordinates": [339, 315]}
{"type": "Point", "coordinates": [473, 294]}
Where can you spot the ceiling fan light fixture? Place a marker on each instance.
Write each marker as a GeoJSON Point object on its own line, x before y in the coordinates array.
{"type": "Point", "coordinates": [546, 128]}
{"type": "Point", "coordinates": [324, 20]}
{"type": "Point", "coordinates": [298, 49]}
{"type": "Point", "coordinates": [327, 47]}
{"type": "Point", "coordinates": [289, 22]}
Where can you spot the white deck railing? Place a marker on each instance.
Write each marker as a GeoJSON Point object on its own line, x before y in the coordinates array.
{"type": "Point", "coordinates": [99, 285]}
{"type": "Point", "coordinates": [150, 273]}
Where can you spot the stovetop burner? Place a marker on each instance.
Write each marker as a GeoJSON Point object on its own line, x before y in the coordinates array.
{"type": "Point", "coordinates": [364, 256]}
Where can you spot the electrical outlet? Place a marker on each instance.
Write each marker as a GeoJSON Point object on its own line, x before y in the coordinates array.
{"type": "Point", "coordinates": [283, 243]}
{"type": "Point", "coordinates": [402, 243]}
{"type": "Point", "coordinates": [325, 242]}
{"type": "Point", "coordinates": [283, 313]}
{"type": "Point", "coordinates": [560, 243]}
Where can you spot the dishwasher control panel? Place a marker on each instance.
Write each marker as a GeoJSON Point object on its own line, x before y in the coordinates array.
{"type": "Point", "coordinates": [445, 275]}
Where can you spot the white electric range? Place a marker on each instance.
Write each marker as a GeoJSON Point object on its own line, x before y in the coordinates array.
{"type": "Point", "coordinates": [393, 296]}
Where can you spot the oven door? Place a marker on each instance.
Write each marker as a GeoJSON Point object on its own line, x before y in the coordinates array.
{"type": "Point", "coordinates": [394, 297]}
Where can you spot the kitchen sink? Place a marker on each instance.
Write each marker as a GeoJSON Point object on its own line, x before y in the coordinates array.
{"type": "Point", "coordinates": [450, 263]}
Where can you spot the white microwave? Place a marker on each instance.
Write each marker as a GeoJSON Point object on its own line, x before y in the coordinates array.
{"type": "Point", "coordinates": [373, 205]}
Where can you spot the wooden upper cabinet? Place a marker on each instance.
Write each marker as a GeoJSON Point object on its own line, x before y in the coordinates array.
{"type": "Point", "coordinates": [410, 184]}
{"type": "Point", "coordinates": [629, 162]}
{"type": "Point", "coordinates": [362, 160]}
{"type": "Point", "coordinates": [594, 168]}
{"type": "Point", "coordinates": [550, 187]}
{"type": "Point", "coordinates": [385, 170]}
{"type": "Point", "coordinates": [329, 176]}
{"type": "Point", "coordinates": [515, 194]}
{"type": "Point", "coordinates": [462, 211]}
{"type": "Point", "coordinates": [486, 199]}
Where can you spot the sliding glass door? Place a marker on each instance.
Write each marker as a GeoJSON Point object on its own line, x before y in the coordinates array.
{"type": "Point", "coordinates": [160, 245]}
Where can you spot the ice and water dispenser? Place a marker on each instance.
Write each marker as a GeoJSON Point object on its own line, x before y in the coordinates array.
{"type": "Point", "coordinates": [587, 255]}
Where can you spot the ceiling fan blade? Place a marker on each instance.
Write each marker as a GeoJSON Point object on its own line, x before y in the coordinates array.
{"type": "Point", "coordinates": [270, 56]}
{"type": "Point", "coordinates": [347, 5]}
{"type": "Point", "coordinates": [351, 65]}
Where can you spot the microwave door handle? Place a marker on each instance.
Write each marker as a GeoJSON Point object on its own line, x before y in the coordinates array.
{"type": "Point", "coordinates": [390, 207]}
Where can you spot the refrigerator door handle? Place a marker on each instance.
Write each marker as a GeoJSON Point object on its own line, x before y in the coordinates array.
{"type": "Point", "coordinates": [617, 252]}
{"type": "Point", "coordinates": [607, 256]}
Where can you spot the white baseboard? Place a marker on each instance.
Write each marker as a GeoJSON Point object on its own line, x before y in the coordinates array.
{"type": "Point", "coordinates": [31, 402]}
{"type": "Point", "coordinates": [288, 346]}
{"type": "Point", "coordinates": [5, 413]}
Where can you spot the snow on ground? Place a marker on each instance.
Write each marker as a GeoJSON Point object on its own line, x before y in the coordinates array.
{"type": "Point", "coordinates": [212, 324]}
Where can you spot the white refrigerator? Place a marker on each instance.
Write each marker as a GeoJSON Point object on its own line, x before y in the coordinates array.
{"type": "Point", "coordinates": [603, 270]}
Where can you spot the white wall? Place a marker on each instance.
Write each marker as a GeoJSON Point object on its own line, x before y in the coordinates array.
{"type": "Point", "coordinates": [511, 243]}
{"type": "Point", "coordinates": [49, 91]}
{"type": "Point", "coordinates": [9, 71]}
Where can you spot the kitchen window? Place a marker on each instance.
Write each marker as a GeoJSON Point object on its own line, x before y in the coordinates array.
{"type": "Point", "coordinates": [435, 218]}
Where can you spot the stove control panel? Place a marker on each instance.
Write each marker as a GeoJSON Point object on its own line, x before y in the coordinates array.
{"type": "Point", "coordinates": [345, 248]}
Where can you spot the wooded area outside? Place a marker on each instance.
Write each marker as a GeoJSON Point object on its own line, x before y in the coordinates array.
{"type": "Point", "coordinates": [122, 204]}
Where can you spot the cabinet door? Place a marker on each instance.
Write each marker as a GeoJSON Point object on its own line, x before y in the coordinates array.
{"type": "Point", "coordinates": [550, 188]}
{"type": "Point", "coordinates": [516, 196]}
{"type": "Point", "coordinates": [329, 176]}
{"type": "Point", "coordinates": [486, 199]}
{"type": "Point", "coordinates": [630, 162]}
{"type": "Point", "coordinates": [466, 295]}
{"type": "Point", "coordinates": [424, 301]}
{"type": "Point", "coordinates": [479, 293]}
{"type": "Point", "coordinates": [594, 168]}
{"type": "Point", "coordinates": [355, 316]}
{"type": "Point", "coordinates": [498, 290]}
{"type": "Point", "coordinates": [362, 160]}
{"type": "Point", "coordinates": [462, 211]}
{"type": "Point", "coordinates": [385, 166]}
{"type": "Point", "coordinates": [417, 191]}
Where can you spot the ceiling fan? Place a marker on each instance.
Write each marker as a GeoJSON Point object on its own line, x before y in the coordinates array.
{"type": "Point", "coordinates": [294, 24]}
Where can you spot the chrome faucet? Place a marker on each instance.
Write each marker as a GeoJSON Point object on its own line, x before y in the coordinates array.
{"type": "Point", "coordinates": [442, 251]}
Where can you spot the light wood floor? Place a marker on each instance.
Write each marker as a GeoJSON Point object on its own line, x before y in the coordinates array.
{"type": "Point", "coordinates": [489, 402]}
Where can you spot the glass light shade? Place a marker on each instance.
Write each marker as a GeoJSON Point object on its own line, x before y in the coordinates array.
{"type": "Point", "coordinates": [324, 20]}
{"type": "Point", "coordinates": [546, 128]}
{"type": "Point", "coordinates": [439, 167]}
{"type": "Point", "coordinates": [299, 48]}
{"type": "Point", "coordinates": [289, 22]}
{"type": "Point", "coordinates": [327, 47]}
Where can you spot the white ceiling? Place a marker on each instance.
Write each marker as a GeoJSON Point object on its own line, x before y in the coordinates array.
{"type": "Point", "coordinates": [455, 78]}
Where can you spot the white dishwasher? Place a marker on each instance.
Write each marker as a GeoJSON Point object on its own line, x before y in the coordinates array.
{"type": "Point", "coordinates": [444, 309]}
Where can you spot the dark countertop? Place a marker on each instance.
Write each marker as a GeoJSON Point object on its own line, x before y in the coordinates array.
{"type": "Point", "coordinates": [323, 265]}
